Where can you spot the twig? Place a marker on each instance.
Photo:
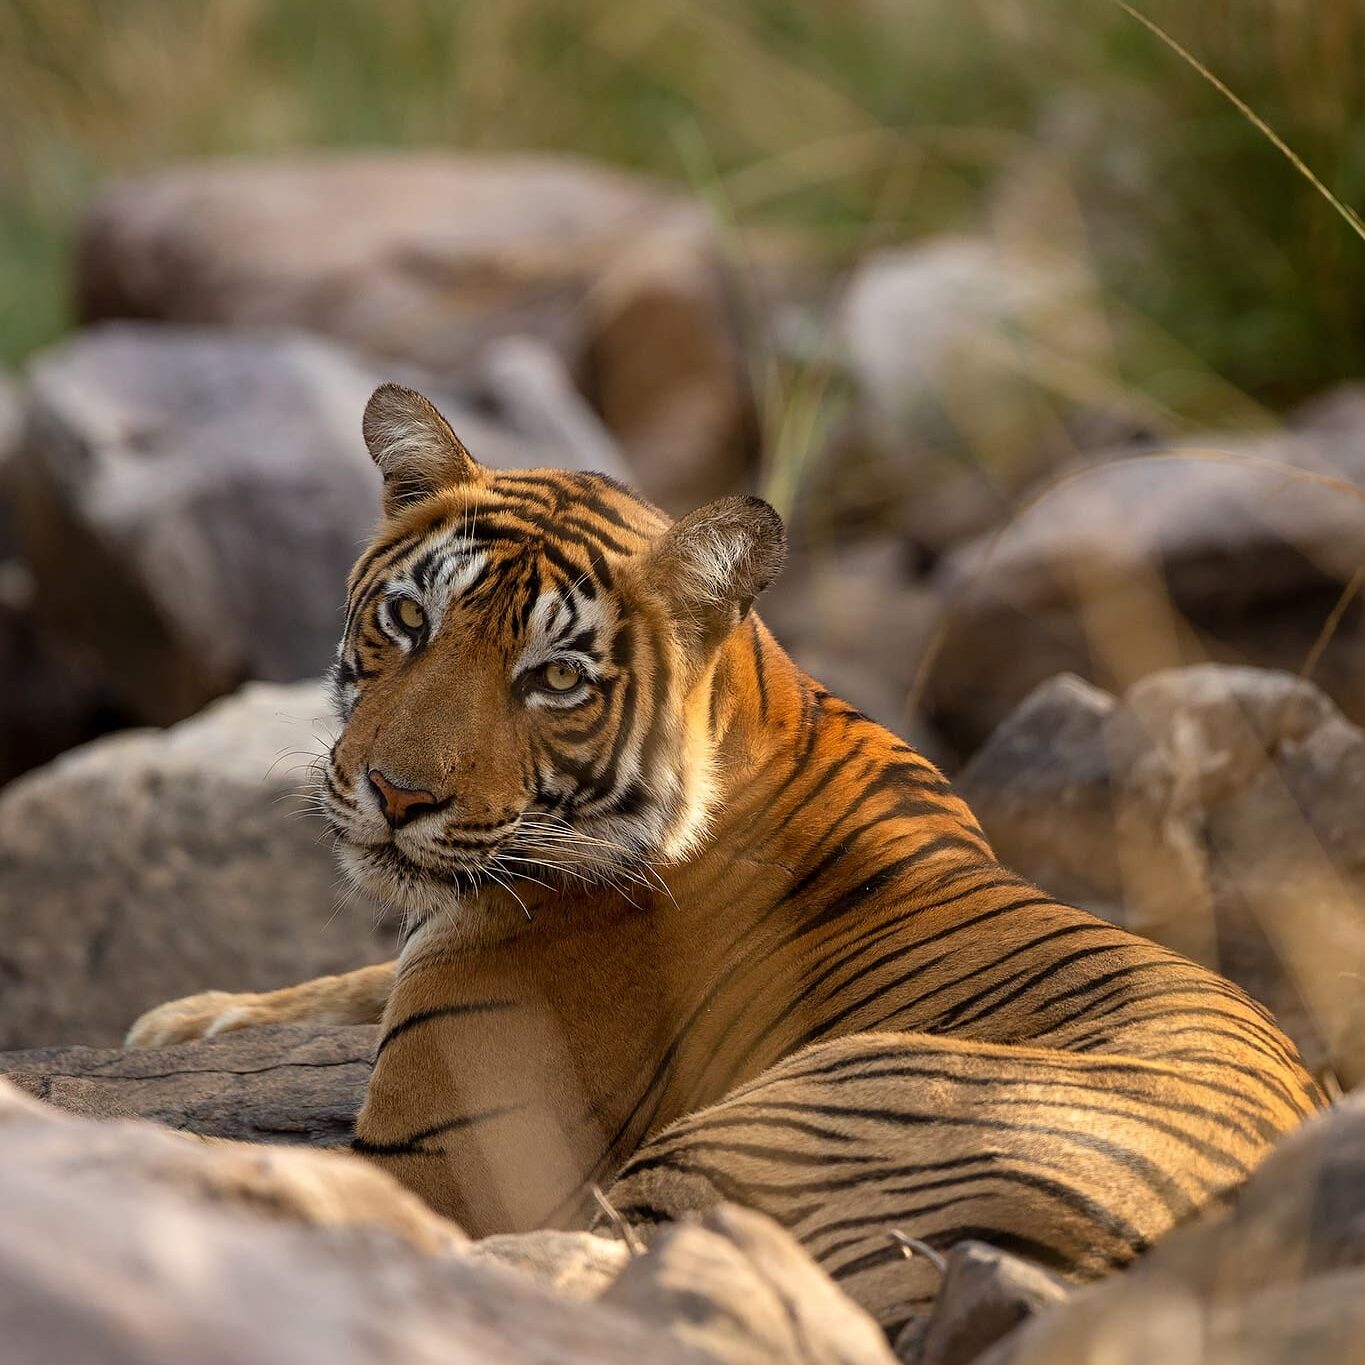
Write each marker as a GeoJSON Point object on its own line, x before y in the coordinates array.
{"type": "Point", "coordinates": [912, 1246]}
{"type": "Point", "coordinates": [624, 1229]}
{"type": "Point", "coordinates": [1329, 627]}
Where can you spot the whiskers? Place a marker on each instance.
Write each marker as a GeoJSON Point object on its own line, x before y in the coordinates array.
{"type": "Point", "coordinates": [313, 795]}
{"type": "Point", "coordinates": [490, 870]}
{"type": "Point", "coordinates": [557, 848]}
{"type": "Point", "coordinates": [441, 871]}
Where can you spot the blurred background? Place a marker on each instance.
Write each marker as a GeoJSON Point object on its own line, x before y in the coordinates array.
{"type": "Point", "coordinates": [892, 265]}
{"type": "Point", "coordinates": [1048, 354]}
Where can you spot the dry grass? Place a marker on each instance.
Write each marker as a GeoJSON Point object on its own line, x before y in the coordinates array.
{"type": "Point", "coordinates": [855, 124]}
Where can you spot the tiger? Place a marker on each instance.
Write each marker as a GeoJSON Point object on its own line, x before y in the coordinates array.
{"type": "Point", "coordinates": [680, 927]}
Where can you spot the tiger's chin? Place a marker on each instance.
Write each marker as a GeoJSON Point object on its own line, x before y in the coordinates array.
{"type": "Point", "coordinates": [419, 895]}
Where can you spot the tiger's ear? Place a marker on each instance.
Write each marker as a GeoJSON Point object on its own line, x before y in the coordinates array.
{"type": "Point", "coordinates": [416, 451]}
{"type": "Point", "coordinates": [714, 562]}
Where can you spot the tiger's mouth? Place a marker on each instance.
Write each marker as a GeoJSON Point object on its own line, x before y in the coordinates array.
{"type": "Point", "coordinates": [465, 875]}
{"type": "Point", "coordinates": [416, 889]}
{"type": "Point", "coordinates": [444, 873]}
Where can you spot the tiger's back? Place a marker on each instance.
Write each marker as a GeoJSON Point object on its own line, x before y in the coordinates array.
{"type": "Point", "coordinates": [846, 1014]}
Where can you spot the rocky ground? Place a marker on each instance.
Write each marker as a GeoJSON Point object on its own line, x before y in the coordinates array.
{"type": "Point", "coordinates": [1143, 668]}
{"type": "Point", "coordinates": [125, 1241]}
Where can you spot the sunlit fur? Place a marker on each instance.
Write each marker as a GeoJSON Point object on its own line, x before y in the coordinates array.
{"type": "Point", "coordinates": [771, 958]}
{"type": "Point", "coordinates": [712, 934]}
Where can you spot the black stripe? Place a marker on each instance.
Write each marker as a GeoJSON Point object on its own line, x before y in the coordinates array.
{"type": "Point", "coordinates": [412, 1145]}
{"type": "Point", "coordinates": [760, 675]}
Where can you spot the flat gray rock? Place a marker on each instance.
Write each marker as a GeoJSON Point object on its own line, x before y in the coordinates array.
{"type": "Point", "coordinates": [286, 1083]}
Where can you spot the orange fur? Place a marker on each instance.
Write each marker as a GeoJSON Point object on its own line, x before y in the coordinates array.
{"type": "Point", "coordinates": [800, 980]}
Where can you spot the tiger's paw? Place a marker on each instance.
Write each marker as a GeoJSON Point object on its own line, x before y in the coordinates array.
{"type": "Point", "coordinates": [199, 1016]}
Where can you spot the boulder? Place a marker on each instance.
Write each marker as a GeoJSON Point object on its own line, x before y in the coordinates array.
{"type": "Point", "coordinates": [953, 346]}
{"type": "Point", "coordinates": [852, 614]}
{"type": "Point", "coordinates": [302, 1086]}
{"type": "Point", "coordinates": [192, 501]}
{"type": "Point", "coordinates": [1224, 548]}
{"type": "Point", "coordinates": [665, 369]}
{"type": "Point", "coordinates": [1042, 789]}
{"type": "Point", "coordinates": [123, 1244]}
{"type": "Point", "coordinates": [1275, 1275]}
{"type": "Point", "coordinates": [1214, 809]}
{"type": "Point", "coordinates": [150, 865]}
{"type": "Point", "coordinates": [741, 1288]}
{"type": "Point", "coordinates": [288, 1184]}
{"type": "Point", "coordinates": [984, 1295]}
{"type": "Point", "coordinates": [430, 257]}
{"type": "Point", "coordinates": [152, 1239]}
{"type": "Point", "coordinates": [285, 1084]}
{"type": "Point", "coordinates": [525, 382]}
{"type": "Point", "coordinates": [54, 696]}
{"type": "Point", "coordinates": [576, 1265]}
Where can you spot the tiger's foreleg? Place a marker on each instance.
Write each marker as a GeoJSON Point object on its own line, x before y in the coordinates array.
{"type": "Point", "coordinates": [1076, 1162]}
{"type": "Point", "coordinates": [353, 998]}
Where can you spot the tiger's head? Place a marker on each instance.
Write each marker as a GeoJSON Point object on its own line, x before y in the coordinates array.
{"type": "Point", "coordinates": [523, 682]}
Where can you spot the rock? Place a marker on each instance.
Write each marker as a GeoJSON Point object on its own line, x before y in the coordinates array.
{"type": "Point", "coordinates": [531, 390]}
{"type": "Point", "coordinates": [150, 865]}
{"type": "Point", "coordinates": [1041, 788]}
{"type": "Point", "coordinates": [1275, 1276]}
{"type": "Point", "coordinates": [739, 1287]}
{"type": "Point", "coordinates": [952, 345]}
{"type": "Point", "coordinates": [318, 1189]}
{"type": "Point", "coordinates": [17, 1103]}
{"type": "Point", "coordinates": [304, 1085]}
{"type": "Point", "coordinates": [1214, 809]}
{"type": "Point", "coordinates": [666, 370]}
{"type": "Point", "coordinates": [1133, 565]}
{"type": "Point", "coordinates": [295, 1082]}
{"type": "Point", "coordinates": [985, 1294]}
{"type": "Point", "coordinates": [191, 502]}
{"type": "Point", "coordinates": [282, 1084]}
{"type": "Point", "coordinates": [125, 1245]}
{"type": "Point", "coordinates": [430, 257]}
{"type": "Point", "coordinates": [576, 1265]}
{"type": "Point", "coordinates": [54, 696]}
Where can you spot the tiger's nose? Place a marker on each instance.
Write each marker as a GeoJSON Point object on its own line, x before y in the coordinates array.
{"type": "Point", "coordinates": [400, 804]}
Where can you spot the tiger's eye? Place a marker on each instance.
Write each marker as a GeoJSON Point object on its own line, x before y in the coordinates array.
{"type": "Point", "coordinates": [410, 614]}
{"type": "Point", "coordinates": [561, 678]}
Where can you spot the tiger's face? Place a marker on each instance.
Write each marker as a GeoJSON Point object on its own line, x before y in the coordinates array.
{"type": "Point", "coordinates": [522, 680]}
